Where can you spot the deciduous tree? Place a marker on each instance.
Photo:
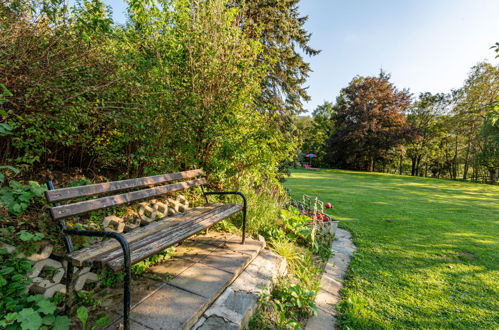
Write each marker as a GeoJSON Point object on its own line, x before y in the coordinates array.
{"type": "Point", "coordinates": [369, 122]}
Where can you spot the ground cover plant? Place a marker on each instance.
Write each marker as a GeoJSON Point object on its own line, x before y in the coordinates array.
{"type": "Point", "coordinates": [427, 248]}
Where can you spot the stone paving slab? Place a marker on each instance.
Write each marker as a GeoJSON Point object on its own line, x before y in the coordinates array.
{"type": "Point", "coordinates": [141, 289]}
{"type": "Point", "coordinates": [169, 270]}
{"type": "Point", "coordinates": [228, 261]}
{"type": "Point", "coordinates": [328, 295]}
{"type": "Point", "coordinates": [203, 280]}
{"type": "Point", "coordinates": [175, 294]}
{"type": "Point", "coordinates": [170, 308]}
{"type": "Point", "coordinates": [233, 309]}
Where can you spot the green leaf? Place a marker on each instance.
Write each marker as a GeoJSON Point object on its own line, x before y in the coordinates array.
{"type": "Point", "coordinates": [36, 298]}
{"type": "Point", "coordinates": [61, 323]}
{"type": "Point", "coordinates": [11, 317]}
{"type": "Point", "coordinates": [6, 270]}
{"type": "Point", "coordinates": [29, 319]}
{"type": "Point", "coordinates": [25, 236]}
{"type": "Point", "coordinates": [48, 320]}
{"type": "Point", "coordinates": [3, 281]}
{"type": "Point", "coordinates": [82, 314]}
{"type": "Point", "coordinates": [46, 307]}
{"type": "Point", "coordinates": [101, 322]}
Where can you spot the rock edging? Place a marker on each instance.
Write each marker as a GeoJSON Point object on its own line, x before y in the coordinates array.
{"type": "Point", "coordinates": [328, 295]}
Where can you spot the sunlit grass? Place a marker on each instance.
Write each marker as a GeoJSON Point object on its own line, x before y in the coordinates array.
{"type": "Point", "coordinates": [428, 248]}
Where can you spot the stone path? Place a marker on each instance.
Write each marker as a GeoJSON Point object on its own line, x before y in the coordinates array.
{"type": "Point", "coordinates": [176, 293]}
{"type": "Point", "coordinates": [328, 295]}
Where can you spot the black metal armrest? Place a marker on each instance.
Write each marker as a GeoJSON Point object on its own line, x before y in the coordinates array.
{"type": "Point", "coordinates": [245, 205]}
{"type": "Point", "coordinates": [96, 233]}
{"type": "Point", "coordinates": [126, 254]}
{"type": "Point", "coordinates": [228, 193]}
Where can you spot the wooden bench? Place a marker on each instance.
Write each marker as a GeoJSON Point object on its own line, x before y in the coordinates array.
{"type": "Point", "coordinates": [138, 244]}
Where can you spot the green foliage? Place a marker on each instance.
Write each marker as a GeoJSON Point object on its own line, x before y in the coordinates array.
{"type": "Point", "coordinates": [82, 315]}
{"type": "Point", "coordinates": [16, 197]}
{"type": "Point", "coordinates": [3, 168]}
{"type": "Point", "coordinates": [297, 227]}
{"type": "Point", "coordinates": [155, 95]}
{"type": "Point", "coordinates": [284, 307]}
{"type": "Point", "coordinates": [18, 309]}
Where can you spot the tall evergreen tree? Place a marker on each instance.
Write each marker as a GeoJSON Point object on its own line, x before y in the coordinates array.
{"type": "Point", "coordinates": [280, 28]}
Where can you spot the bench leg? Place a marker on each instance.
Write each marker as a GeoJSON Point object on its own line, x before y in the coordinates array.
{"type": "Point", "coordinates": [127, 298]}
{"type": "Point", "coordinates": [244, 222]}
{"type": "Point", "coordinates": [69, 288]}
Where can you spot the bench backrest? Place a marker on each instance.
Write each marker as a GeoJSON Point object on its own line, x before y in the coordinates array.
{"type": "Point", "coordinates": [155, 186]}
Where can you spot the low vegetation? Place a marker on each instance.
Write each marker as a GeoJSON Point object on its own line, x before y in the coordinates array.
{"type": "Point", "coordinates": [427, 248]}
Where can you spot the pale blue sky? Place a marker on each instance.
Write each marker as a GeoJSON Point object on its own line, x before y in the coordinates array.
{"type": "Point", "coordinates": [427, 45]}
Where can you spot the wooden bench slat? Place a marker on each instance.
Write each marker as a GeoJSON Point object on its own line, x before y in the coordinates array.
{"type": "Point", "coordinates": [167, 237]}
{"type": "Point", "coordinates": [223, 210]}
{"type": "Point", "coordinates": [80, 256]}
{"type": "Point", "coordinates": [62, 194]}
{"type": "Point", "coordinates": [69, 210]}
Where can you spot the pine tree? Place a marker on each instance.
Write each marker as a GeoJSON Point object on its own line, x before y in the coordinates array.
{"type": "Point", "coordinates": [280, 28]}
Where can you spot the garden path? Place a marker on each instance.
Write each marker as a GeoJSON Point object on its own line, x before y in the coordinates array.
{"type": "Point", "coordinates": [328, 295]}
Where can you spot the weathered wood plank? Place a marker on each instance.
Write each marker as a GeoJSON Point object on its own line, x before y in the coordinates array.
{"type": "Point", "coordinates": [69, 210]}
{"type": "Point", "coordinates": [62, 194]}
{"type": "Point", "coordinates": [167, 237]}
{"type": "Point", "coordinates": [80, 256]}
{"type": "Point", "coordinates": [222, 212]}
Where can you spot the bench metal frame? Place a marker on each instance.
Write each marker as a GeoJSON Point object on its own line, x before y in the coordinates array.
{"type": "Point", "coordinates": [67, 233]}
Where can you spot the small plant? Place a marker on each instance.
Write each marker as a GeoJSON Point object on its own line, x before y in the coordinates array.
{"type": "Point", "coordinates": [82, 315]}
{"type": "Point", "coordinates": [142, 266]}
{"type": "Point", "coordinates": [286, 306]}
{"type": "Point", "coordinates": [16, 197]}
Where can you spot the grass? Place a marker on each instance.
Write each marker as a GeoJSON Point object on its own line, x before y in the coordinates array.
{"type": "Point", "coordinates": [428, 249]}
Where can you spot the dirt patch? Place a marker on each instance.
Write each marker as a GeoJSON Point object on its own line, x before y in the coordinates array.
{"type": "Point", "coordinates": [466, 255]}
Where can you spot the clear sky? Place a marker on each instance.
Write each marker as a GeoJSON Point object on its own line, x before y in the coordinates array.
{"type": "Point", "coordinates": [426, 45]}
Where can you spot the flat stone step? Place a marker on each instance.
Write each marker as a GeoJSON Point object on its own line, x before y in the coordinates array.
{"type": "Point", "coordinates": [233, 309]}
{"type": "Point", "coordinates": [176, 293]}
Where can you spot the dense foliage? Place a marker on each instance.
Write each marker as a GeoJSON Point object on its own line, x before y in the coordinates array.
{"type": "Point", "coordinates": [374, 127]}
{"type": "Point", "coordinates": [178, 86]}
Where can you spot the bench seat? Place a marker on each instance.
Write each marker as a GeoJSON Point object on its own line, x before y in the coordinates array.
{"type": "Point", "coordinates": [155, 237]}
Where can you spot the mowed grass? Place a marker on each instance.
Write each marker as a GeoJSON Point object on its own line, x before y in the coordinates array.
{"type": "Point", "coordinates": [428, 249]}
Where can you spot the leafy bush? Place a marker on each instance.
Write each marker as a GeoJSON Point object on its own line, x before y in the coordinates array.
{"type": "Point", "coordinates": [19, 310]}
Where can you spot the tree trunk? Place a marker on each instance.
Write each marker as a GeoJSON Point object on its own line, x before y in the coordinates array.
{"type": "Point", "coordinates": [413, 169]}
{"type": "Point", "coordinates": [400, 164]}
{"type": "Point", "coordinates": [466, 161]}
{"type": "Point", "coordinates": [371, 164]}
{"type": "Point", "coordinates": [492, 175]}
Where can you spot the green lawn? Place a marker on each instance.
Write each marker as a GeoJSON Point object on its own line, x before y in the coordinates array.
{"type": "Point", "coordinates": [428, 249]}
